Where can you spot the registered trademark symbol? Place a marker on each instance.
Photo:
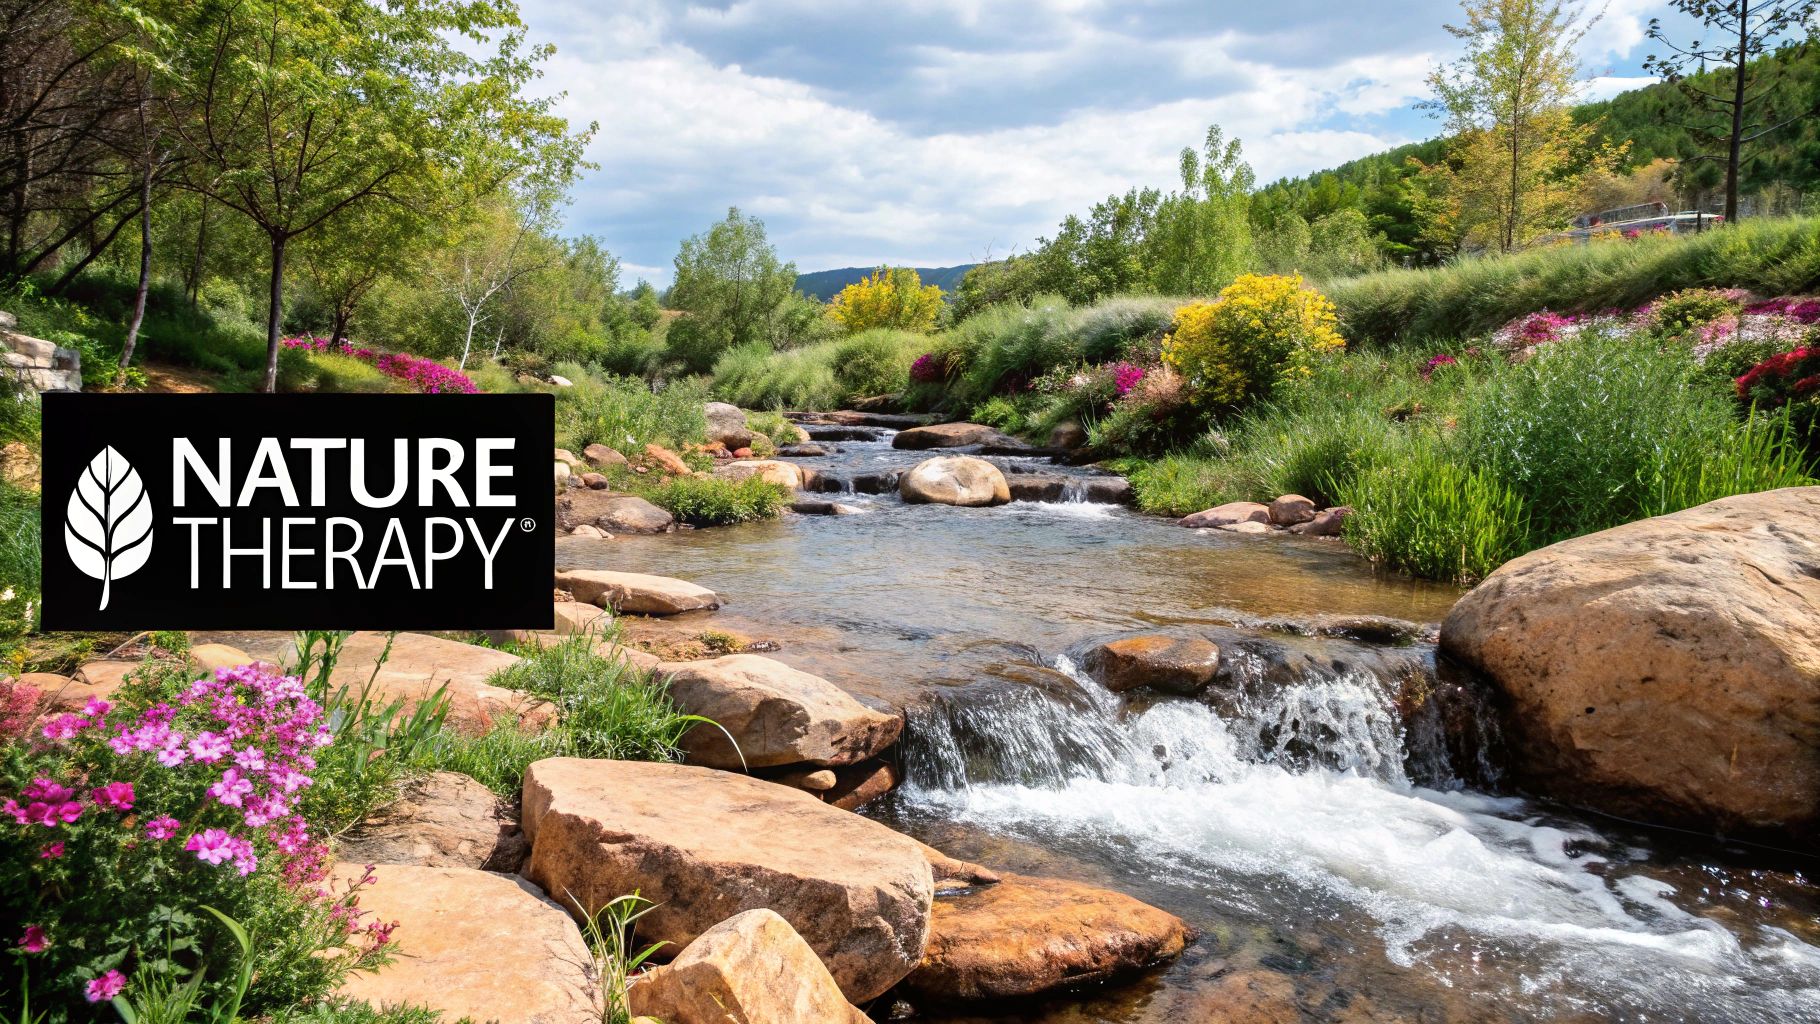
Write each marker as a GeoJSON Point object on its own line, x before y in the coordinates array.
{"type": "Point", "coordinates": [527, 524]}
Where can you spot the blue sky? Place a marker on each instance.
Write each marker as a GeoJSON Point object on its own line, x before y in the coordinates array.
{"type": "Point", "coordinates": [945, 131]}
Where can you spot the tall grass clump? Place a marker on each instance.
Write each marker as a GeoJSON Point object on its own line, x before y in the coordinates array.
{"type": "Point", "coordinates": [876, 362]}
{"type": "Point", "coordinates": [1435, 517]}
{"type": "Point", "coordinates": [1006, 346]}
{"type": "Point", "coordinates": [1110, 328]}
{"type": "Point", "coordinates": [623, 412]}
{"type": "Point", "coordinates": [758, 377]}
{"type": "Point", "coordinates": [1477, 295]}
{"type": "Point", "coordinates": [712, 501]}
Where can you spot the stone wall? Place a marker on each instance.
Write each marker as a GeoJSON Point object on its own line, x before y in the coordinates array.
{"type": "Point", "coordinates": [44, 365]}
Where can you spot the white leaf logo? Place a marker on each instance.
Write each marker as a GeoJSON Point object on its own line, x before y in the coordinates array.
{"type": "Point", "coordinates": [108, 529]}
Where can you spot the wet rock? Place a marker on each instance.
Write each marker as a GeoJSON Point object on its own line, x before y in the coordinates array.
{"type": "Point", "coordinates": [590, 532]}
{"type": "Point", "coordinates": [775, 714]}
{"type": "Point", "coordinates": [727, 425]}
{"type": "Point", "coordinates": [1291, 509]}
{"type": "Point", "coordinates": [806, 450]}
{"type": "Point", "coordinates": [474, 944]}
{"type": "Point", "coordinates": [1242, 997]}
{"type": "Point", "coordinates": [1165, 663]}
{"type": "Point", "coordinates": [1666, 670]}
{"type": "Point", "coordinates": [948, 435]}
{"type": "Point", "coordinates": [883, 481]}
{"type": "Point", "coordinates": [1101, 490]}
{"type": "Point", "coordinates": [1326, 523]}
{"type": "Point", "coordinates": [955, 480]}
{"type": "Point", "coordinates": [666, 460]}
{"type": "Point", "coordinates": [788, 474]}
{"type": "Point", "coordinates": [602, 457]}
{"type": "Point", "coordinates": [807, 507]}
{"type": "Point", "coordinates": [444, 820]}
{"type": "Point", "coordinates": [826, 432]}
{"type": "Point", "coordinates": [954, 870]}
{"type": "Point", "coordinates": [1068, 434]}
{"type": "Point", "coordinates": [858, 785]}
{"type": "Point", "coordinates": [1254, 528]}
{"type": "Point", "coordinates": [704, 845]}
{"type": "Point", "coordinates": [1025, 936]}
{"type": "Point", "coordinates": [420, 665]}
{"type": "Point", "coordinates": [865, 418]}
{"type": "Point", "coordinates": [1228, 514]}
{"type": "Point", "coordinates": [636, 592]}
{"type": "Point", "coordinates": [611, 512]}
{"type": "Point", "coordinates": [752, 968]}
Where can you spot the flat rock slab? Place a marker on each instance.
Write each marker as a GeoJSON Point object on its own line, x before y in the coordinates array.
{"type": "Point", "coordinates": [475, 944]}
{"type": "Point", "coordinates": [444, 820]}
{"type": "Point", "coordinates": [1228, 514]}
{"type": "Point", "coordinates": [776, 715]}
{"type": "Point", "coordinates": [636, 592]}
{"type": "Point", "coordinates": [775, 471]}
{"type": "Point", "coordinates": [1170, 664]}
{"type": "Point", "coordinates": [614, 513]}
{"type": "Point", "coordinates": [419, 665]}
{"type": "Point", "coordinates": [704, 845]}
{"type": "Point", "coordinates": [752, 969]}
{"type": "Point", "coordinates": [949, 435]}
{"type": "Point", "coordinates": [1026, 936]}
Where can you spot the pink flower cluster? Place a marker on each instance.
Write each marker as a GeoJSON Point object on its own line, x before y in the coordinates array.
{"type": "Point", "coordinates": [929, 368]}
{"type": "Point", "coordinates": [1435, 363]}
{"type": "Point", "coordinates": [426, 375]}
{"type": "Point", "coordinates": [1806, 311]}
{"type": "Point", "coordinates": [1125, 376]}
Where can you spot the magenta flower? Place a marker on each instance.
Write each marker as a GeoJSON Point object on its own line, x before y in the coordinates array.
{"type": "Point", "coordinates": [162, 827]}
{"type": "Point", "coordinates": [211, 846]}
{"type": "Point", "coordinates": [106, 987]}
{"type": "Point", "coordinates": [35, 940]}
{"type": "Point", "coordinates": [232, 789]}
{"type": "Point", "coordinates": [209, 748]}
{"type": "Point", "coordinates": [96, 707]}
{"type": "Point", "coordinates": [64, 726]}
{"type": "Point", "coordinates": [1125, 377]}
{"type": "Point", "coordinates": [51, 851]}
{"type": "Point", "coordinates": [115, 796]}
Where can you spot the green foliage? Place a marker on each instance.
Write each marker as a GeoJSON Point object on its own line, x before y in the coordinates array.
{"type": "Point", "coordinates": [773, 426]}
{"type": "Point", "coordinates": [1691, 308]}
{"type": "Point", "coordinates": [1264, 333]}
{"type": "Point", "coordinates": [1116, 327]}
{"type": "Point", "coordinates": [756, 377]}
{"type": "Point", "coordinates": [345, 1011]}
{"type": "Point", "coordinates": [626, 413]}
{"type": "Point", "coordinates": [334, 372]}
{"type": "Point", "coordinates": [732, 291]}
{"type": "Point", "coordinates": [1432, 516]}
{"type": "Point", "coordinates": [712, 501]}
{"type": "Point", "coordinates": [1008, 346]}
{"type": "Point", "coordinates": [876, 362]}
{"type": "Point", "coordinates": [617, 958]}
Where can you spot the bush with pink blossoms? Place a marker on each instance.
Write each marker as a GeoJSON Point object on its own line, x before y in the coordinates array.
{"type": "Point", "coordinates": [425, 375]}
{"type": "Point", "coordinates": [120, 821]}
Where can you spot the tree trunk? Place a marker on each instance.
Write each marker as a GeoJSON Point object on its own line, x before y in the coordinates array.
{"type": "Point", "coordinates": [1737, 137]}
{"type": "Point", "coordinates": [145, 274]}
{"type": "Point", "coordinates": [338, 331]}
{"type": "Point", "coordinates": [194, 284]}
{"type": "Point", "coordinates": [274, 316]}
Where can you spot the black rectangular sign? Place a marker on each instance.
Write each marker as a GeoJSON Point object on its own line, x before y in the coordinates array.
{"type": "Point", "coordinates": [298, 511]}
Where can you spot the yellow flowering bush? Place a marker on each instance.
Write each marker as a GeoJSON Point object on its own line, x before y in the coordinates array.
{"type": "Point", "coordinates": [890, 297]}
{"type": "Point", "coordinates": [1264, 330]}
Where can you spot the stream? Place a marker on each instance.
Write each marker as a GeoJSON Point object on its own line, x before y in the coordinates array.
{"type": "Point", "coordinates": [1322, 829]}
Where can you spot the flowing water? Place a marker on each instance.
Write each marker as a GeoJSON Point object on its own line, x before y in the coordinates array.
{"type": "Point", "coordinates": [1343, 846]}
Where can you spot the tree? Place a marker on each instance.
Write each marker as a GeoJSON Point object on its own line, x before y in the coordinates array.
{"type": "Point", "coordinates": [731, 289]}
{"type": "Point", "coordinates": [1507, 99]}
{"type": "Point", "coordinates": [892, 297]}
{"type": "Point", "coordinates": [1201, 236]}
{"type": "Point", "coordinates": [1737, 98]}
{"type": "Point", "coordinates": [345, 259]}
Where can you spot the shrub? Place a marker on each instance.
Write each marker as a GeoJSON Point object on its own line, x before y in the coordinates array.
{"type": "Point", "coordinates": [876, 362]}
{"type": "Point", "coordinates": [334, 371]}
{"type": "Point", "coordinates": [890, 297]}
{"type": "Point", "coordinates": [1692, 308]}
{"type": "Point", "coordinates": [1265, 331]}
{"type": "Point", "coordinates": [1155, 414]}
{"type": "Point", "coordinates": [755, 377]}
{"type": "Point", "coordinates": [712, 501]}
{"type": "Point", "coordinates": [1005, 347]}
{"type": "Point", "coordinates": [126, 820]}
{"type": "Point", "coordinates": [423, 375]}
{"type": "Point", "coordinates": [1788, 382]}
{"type": "Point", "coordinates": [1434, 517]}
{"type": "Point", "coordinates": [1112, 328]}
{"type": "Point", "coordinates": [626, 413]}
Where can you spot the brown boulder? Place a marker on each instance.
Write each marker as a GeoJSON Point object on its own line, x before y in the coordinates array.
{"type": "Point", "coordinates": [1290, 510]}
{"type": "Point", "coordinates": [954, 480]}
{"type": "Point", "coordinates": [727, 426]}
{"type": "Point", "coordinates": [1068, 434]}
{"type": "Point", "coordinates": [788, 474]}
{"type": "Point", "coordinates": [666, 460]}
{"type": "Point", "coordinates": [1668, 669]}
{"type": "Point", "coordinates": [1326, 523]}
{"type": "Point", "coordinates": [601, 457]}
{"type": "Point", "coordinates": [614, 513]}
{"type": "Point", "coordinates": [1227, 514]}
{"type": "Point", "coordinates": [859, 784]}
{"type": "Point", "coordinates": [751, 969]}
{"type": "Point", "coordinates": [475, 944]}
{"type": "Point", "coordinates": [420, 665]}
{"type": "Point", "coordinates": [636, 592]}
{"type": "Point", "coordinates": [1168, 663]}
{"type": "Point", "coordinates": [1026, 936]}
{"type": "Point", "coordinates": [209, 657]}
{"type": "Point", "coordinates": [593, 482]}
{"type": "Point", "coordinates": [775, 714]}
{"type": "Point", "coordinates": [444, 820]}
{"type": "Point", "coordinates": [704, 845]}
{"type": "Point", "coordinates": [948, 435]}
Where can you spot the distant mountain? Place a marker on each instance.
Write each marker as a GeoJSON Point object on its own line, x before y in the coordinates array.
{"type": "Point", "coordinates": [825, 284]}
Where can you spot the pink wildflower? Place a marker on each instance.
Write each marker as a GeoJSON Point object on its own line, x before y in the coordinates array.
{"type": "Point", "coordinates": [115, 796]}
{"type": "Point", "coordinates": [106, 987]}
{"type": "Point", "coordinates": [162, 827]}
{"type": "Point", "coordinates": [51, 851]}
{"type": "Point", "coordinates": [211, 846]}
{"type": "Point", "coordinates": [35, 940]}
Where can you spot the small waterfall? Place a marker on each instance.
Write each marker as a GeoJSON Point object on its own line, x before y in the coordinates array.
{"type": "Point", "coordinates": [1074, 490]}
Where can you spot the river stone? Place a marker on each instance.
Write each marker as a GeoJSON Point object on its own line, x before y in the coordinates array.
{"type": "Point", "coordinates": [789, 474]}
{"type": "Point", "coordinates": [947, 435]}
{"type": "Point", "coordinates": [636, 592]}
{"type": "Point", "coordinates": [1228, 514]}
{"type": "Point", "coordinates": [1326, 523]}
{"type": "Point", "coordinates": [1291, 509]}
{"type": "Point", "coordinates": [857, 785]}
{"type": "Point", "coordinates": [704, 845]}
{"type": "Point", "coordinates": [1167, 663]}
{"type": "Point", "coordinates": [752, 969]}
{"type": "Point", "coordinates": [419, 665]}
{"type": "Point", "coordinates": [1668, 669]}
{"type": "Point", "coordinates": [601, 457]}
{"type": "Point", "coordinates": [802, 450]}
{"type": "Point", "coordinates": [593, 482]}
{"type": "Point", "coordinates": [727, 425]}
{"type": "Point", "coordinates": [1026, 936]}
{"type": "Point", "coordinates": [1068, 434]}
{"type": "Point", "coordinates": [776, 715]}
{"type": "Point", "coordinates": [813, 507]}
{"type": "Point", "coordinates": [474, 944]}
{"type": "Point", "coordinates": [587, 532]}
{"type": "Point", "coordinates": [567, 457]}
{"type": "Point", "coordinates": [444, 820]}
{"type": "Point", "coordinates": [1249, 527]}
{"type": "Point", "coordinates": [612, 512]}
{"type": "Point", "coordinates": [955, 480]}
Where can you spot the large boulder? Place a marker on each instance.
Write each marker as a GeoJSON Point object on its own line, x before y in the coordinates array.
{"type": "Point", "coordinates": [601, 457]}
{"type": "Point", "coordinates": [954, 480]}
{"type": "Point", "coordinates": [665, 460]}
{"type": "Point", "coordinates": [775, 714]}
{"type": "Point", "coordinates": [614, 513]}
{"type": "Point", "coordinates": [1024, 936]}
{"type": "Point", "coordinates": [789, 474]}
{"type": "Point", "coordinates": [419, 665]}
{"type": "Point", "coordinates": [1667, 669]}
{"type": "Point", "coordinates": [1229, 514]}
{"type": "Point", "coordinates": [43, 365]}
{"type": "Point", "coordinates": [704, 845]}
{"type": "Point", "coordinates": [636, 592]}
{"type": "Point", "coordinates": [443, 820]}
{"type": "Point", "coordinates": [474, 944]}
{"type": "Point", "coordinates": [1291, 510]}
{"type": "Point", "coordinates": [948, 435]}
{"type": "Point", "coordinates": [751, 968]}
{"type": "Point", "coordinates": [1167, 663]}
{"type": "Point", "coordinates": [727, 424]}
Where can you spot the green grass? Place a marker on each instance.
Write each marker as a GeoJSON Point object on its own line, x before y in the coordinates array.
{"type": "Point", "coordinates": [626, 413]}
{"type": "Point", "coordinates": [756, 377]}
{"type": "Point", "coordinates": [1431, 516]}
{"type": "Point", "coordinates": [334, 372]}
{"type": "Point", "coordinates": [712, 501]}
{"type": "Point", "coordinates": [1477, 295]}
{"type": "Point", "coordinates": [343, 1011]}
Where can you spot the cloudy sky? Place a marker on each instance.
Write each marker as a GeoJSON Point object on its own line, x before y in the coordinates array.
{"type": "Point", "coordinates": [942, 131]}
